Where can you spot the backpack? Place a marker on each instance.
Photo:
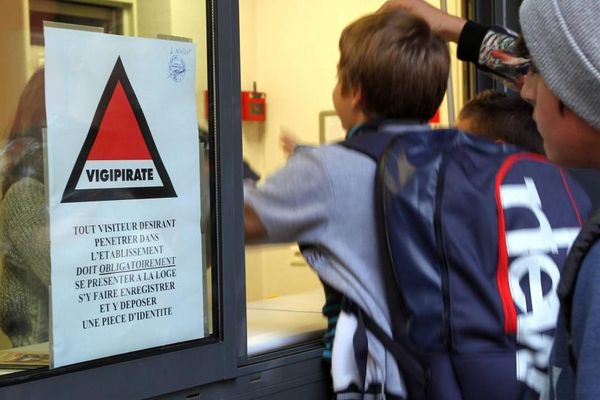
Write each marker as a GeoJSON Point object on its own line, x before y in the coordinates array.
{"type": "Point", "coordinates": [475, 234]}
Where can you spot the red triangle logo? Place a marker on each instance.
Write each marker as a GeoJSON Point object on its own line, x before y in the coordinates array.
{"type": "Point", "coordinates": [119, 135]}
{"type": "Point", "coordinates": [119, 159]}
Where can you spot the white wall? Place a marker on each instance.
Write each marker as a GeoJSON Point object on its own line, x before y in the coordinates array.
{"type": "Point", "coordinates": [183, 18]}
{"type": "Point", "coordinates": [290, 48]}
{"type": "Point", "coordinates": [14, 46]}
{"type": "Point", "coordinates": [252, 135]}
{"type": "Point", "coordinates": [294, 63]}
{"type": "Point", "coordinates": [188, 19]}
{"type": "Point", "coordinates": [151, 18]}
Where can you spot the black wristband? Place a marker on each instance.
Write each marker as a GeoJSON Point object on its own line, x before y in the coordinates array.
{"type": "Point", "coordinates": [469, 42]}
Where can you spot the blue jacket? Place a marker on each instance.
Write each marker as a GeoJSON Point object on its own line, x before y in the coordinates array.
{"type": "Point", "coordinates": [583, 384]}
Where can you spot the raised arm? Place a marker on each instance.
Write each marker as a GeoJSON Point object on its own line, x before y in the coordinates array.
{"type": "Point", "coordinates": [446, 25]}
{"type": "Point", "coordinates": [492, 49]}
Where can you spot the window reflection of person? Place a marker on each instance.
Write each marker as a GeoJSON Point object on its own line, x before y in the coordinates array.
{"type": "Point", "coordinates": [24, 242]}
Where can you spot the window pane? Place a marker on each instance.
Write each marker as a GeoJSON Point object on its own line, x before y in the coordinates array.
{"type": "Point", "coordinates": [25, 267]}
{"type": "Point", "coordinates": [295, 67]}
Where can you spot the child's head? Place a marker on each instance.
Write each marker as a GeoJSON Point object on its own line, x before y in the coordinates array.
{"type": "Point", "coordinates": [562, 37]}
{"type": "Point", "coordinates": [391, 66]}
{"type": "Point", "coordinates": [499, 117]}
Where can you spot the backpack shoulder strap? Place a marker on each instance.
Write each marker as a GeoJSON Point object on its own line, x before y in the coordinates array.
{"type": "Point", "coordinates": [589, 234]}
{"type": "Point", "coordinates": [372, 144]}
{"type": "Point", "coordinates": [397, 346]}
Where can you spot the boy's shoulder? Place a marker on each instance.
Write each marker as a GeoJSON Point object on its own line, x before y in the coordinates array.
{"type": "Point", "coordinates": [330, 156]}
{"type": "Point", "coordinates": [332, 164]}
{"type": "Point", "coordinates": [590, 268]}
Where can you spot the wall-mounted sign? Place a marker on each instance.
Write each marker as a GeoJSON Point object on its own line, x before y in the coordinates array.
{"type": "Point", "coordinates": [124, 194]}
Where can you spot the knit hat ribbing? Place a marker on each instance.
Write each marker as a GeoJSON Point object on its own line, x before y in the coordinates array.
{"type": "Point", "coordinates": [563, 37]}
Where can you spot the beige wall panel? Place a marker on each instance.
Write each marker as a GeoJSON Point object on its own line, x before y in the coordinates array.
{"type": "Point", "coordinates": [14, 52]}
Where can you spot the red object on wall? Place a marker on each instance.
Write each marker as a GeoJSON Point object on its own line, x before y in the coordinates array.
{"type": "Point", "coordinates": [206, 104]}
{"type": "Point", "coordinates": [254, 106]}
{"type": "Point", "coordinates": [436, 117]}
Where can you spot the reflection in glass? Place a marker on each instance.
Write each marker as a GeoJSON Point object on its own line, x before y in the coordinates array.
{"type": "Point", "coordinates": [23, 223]}
{"type": "Point", "coordinates": [24, 243]}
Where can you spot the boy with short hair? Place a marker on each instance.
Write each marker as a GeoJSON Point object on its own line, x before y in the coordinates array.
{"type": "Point", "coordinates": [392, 70]}
{"type": "Point", "coordinates": [563, 39]}
{"type": "Point", "coordinates": [490, 114]}
{"type": "Point", "coordinates": [502, 118]}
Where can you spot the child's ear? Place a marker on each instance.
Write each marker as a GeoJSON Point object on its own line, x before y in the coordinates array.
{"type": "Point", "coordinates": [356, 97]}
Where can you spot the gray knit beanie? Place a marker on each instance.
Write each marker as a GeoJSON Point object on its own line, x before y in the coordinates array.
{"type": "Point", "coordinates": [563, 37]}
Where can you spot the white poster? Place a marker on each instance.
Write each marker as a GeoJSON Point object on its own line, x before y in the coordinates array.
{"type": "Point", "coordinates": [124, 194]}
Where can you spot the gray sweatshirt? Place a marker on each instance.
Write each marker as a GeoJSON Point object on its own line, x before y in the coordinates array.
{"type": "Point", "coordinates": [324, 197]}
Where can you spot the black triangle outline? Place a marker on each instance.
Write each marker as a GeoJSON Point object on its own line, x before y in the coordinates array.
{"type": "Point", "coordinates": [73, 195]}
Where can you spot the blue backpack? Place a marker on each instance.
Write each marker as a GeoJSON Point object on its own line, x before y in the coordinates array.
{"type": "Point", "coordinates": [475, 234]}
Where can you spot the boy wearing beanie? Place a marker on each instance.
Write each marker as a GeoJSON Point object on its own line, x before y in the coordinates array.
{"type": "Point", "coordinates": [563, 83]}
{"type": "Point", "coordinates": [563, 38]}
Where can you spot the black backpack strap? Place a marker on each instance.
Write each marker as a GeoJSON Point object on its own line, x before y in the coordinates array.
{"type": "Point", "coordinates": [407, 362]}
{"type": "Point", "coordinates": [360, 343]}
{"type": "Point", "coordinates": [566, 289]}
{"type": "Point", "coordinates": [372, 144]}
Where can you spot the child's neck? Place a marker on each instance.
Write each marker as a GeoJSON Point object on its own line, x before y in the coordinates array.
{"type": "Point", "coordinates": [354, 129]}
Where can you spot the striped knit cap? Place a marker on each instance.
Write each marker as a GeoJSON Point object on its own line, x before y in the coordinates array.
{"type": "Point", "coordinates": [563, 37]}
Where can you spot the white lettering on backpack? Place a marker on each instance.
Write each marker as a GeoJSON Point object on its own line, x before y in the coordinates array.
{"type": "Point", "coordinates": [532, 248]}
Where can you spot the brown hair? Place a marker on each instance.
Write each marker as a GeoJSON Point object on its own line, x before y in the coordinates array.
{"type": "Point", "coordinates": [499, 117]}
{"type": "Point", "coordinates": [399, 64]}
{"type": "Point", "coordinates": [31, 111]}
{"type": "Point", "coordinates": [23, 154]}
